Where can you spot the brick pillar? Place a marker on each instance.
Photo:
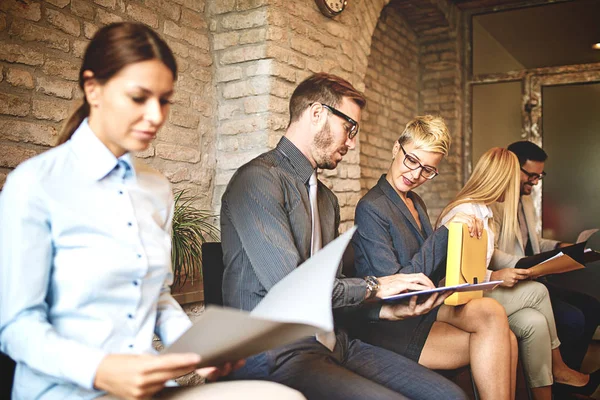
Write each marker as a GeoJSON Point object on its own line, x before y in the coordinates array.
{"type": "Point", "coordinates": [262, 51]}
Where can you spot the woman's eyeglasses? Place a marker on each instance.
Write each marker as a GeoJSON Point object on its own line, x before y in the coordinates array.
{"type": "Point", "coordinates": [412, 163]}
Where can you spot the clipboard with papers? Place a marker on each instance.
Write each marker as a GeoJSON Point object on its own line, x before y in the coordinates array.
{"type": "Point", "coordinates": [424, 294]}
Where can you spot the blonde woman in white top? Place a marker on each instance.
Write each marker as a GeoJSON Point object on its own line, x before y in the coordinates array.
{"type": "Point", "coordinates": [527, 304]}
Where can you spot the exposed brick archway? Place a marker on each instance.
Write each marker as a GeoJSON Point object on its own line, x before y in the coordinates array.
{"type": "Point", "coordinates": [413, 68]}
{"type": "Point", "coordinates": [262, 52]}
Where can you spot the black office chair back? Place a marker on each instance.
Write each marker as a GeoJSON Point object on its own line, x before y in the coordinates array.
{"type": "Point", "coordinates": [212, 273]}
{"type": "Point", "coordinates": [348, 269]}
{"type": "Point", "coordinates": [7, 366]}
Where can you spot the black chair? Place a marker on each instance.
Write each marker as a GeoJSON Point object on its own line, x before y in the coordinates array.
{"type": "Point", "coordinates": [7, 366]}
{"type": "Point", "coordinates": [212, 272]}
{"type": "Point", "coordinates": [348, 262]}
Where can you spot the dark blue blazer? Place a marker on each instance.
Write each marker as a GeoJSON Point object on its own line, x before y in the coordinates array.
{"type": "Point", "coordinates": [389, 241]}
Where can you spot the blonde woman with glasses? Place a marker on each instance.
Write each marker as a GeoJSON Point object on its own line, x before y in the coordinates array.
{"type": "Point", "coordinates": [395, 236]}
{"type": "Point", "coordinates": [527, 304]}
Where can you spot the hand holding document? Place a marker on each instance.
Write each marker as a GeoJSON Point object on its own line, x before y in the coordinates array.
{"type": "Point", "coordinates": [564, 259]}
{"type": "Point", "coordinates": [297, 306]}
{"type": "Point", "coordinates": [589, 255]}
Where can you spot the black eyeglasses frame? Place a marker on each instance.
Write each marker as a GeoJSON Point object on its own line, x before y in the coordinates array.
{"type": "Point", "coordinates": [423, 167]}
{"type": "Point", "coordinates": [532, 176]}
{"type": "Point", "coordinates": [355, 127]}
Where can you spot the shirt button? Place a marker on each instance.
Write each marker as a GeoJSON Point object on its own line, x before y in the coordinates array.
{"type": "Point", "coordinates": [139, 256]}
{"type": "Point", "coordinates": [131, 346]}
{"type": "Point", "coordinates": [129, 224]}
{"type": "Point", "coordinates": [120, 192]}
{"type": "Point", "coordinates": [130, 316]}
{"type": "Point", "coordinates": [135, 283]}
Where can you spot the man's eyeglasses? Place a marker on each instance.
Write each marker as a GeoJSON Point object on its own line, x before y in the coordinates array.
{"type": "Point", "coordinates": [353, 130]}
{"type": "Point", "coordinates": [412, 163]}
{"type": "Point", "coordinates": [532, 176]}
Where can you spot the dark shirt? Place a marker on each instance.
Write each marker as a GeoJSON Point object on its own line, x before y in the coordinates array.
{"type": "Point", "coordinates": [266, 227]}
{"type": "Point", "coordinates": [389, 241]}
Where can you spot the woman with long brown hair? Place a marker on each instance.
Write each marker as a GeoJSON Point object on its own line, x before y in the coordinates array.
{"type": "Point", "coordinates": [527, 304]}
{"type": "Point", "coordinates": [85, 244]}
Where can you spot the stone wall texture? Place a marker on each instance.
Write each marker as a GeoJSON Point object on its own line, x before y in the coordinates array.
{"type": "Point", "coordinates": [414, 69]}
{"type": "Point", "coordinates": [240, 61]}
{"type": "Point", "coordinates": [391, 88]}
{"type": "Point", "coordinates": [41, 46]}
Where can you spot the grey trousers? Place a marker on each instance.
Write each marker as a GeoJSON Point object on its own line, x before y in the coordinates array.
{"type": "Point", "coordinates": [253, 390]}
{"type": "Point", "coordinates": [352, 371]}
{"type": "Point", "coordinates": [530, 317]}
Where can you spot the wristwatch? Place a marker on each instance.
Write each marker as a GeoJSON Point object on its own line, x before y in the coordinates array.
{"type": "Point", "coordinates": [372, 286]}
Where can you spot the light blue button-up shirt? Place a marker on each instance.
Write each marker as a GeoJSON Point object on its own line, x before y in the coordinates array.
{"type": "Point", "coordinates": [85, 266]}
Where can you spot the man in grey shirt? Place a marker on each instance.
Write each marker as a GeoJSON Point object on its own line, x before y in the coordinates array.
{"type": "Point", "coordinates": [267, 231]}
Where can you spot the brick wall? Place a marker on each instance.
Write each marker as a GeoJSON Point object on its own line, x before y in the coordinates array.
{"type": "Point", "coordinates": [41, 45]}
{"type": "Point", "coordinates": [240, 61]}
{"type": "Point", "coordinates": [391, 89]}
{"type": "Point", "coordinates": [441, 93]}
{"type": "Point", "coordinates": [263, 49]}
{"type": "Point", "coordinates": [414, 68]}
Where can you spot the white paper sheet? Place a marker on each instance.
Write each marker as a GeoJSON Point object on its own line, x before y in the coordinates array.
{"type": "Point", "coordinates": [463, 287]}
{"type": "Point", "coordinates": [297, 306]}
{"type": "Point", "coordinates": [559, 254]}
{"type": "Point", "coordinates": [585, 235]}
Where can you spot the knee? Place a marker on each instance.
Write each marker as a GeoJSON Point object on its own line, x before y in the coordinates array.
{"type": "Point", "coordinates": [537, 290]}
{"type": "Point", "coordinates": [533, 325]}
{"type": "Point", "coordinates": [491, 313]}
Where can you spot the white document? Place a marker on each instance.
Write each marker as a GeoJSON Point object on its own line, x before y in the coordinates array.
{"type": "Point", "coordinates": [585, 235]}
{"type": "Point", "coordinates": [559, 254]}
{"type": "Point", "coordinates": [297, 306]}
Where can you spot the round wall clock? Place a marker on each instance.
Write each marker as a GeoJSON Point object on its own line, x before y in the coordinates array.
{"type": "Point", "coordinates": [331, 8]}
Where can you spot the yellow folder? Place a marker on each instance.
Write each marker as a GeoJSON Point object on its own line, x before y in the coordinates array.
{"type": "Point", "coordinates": [466, 263]}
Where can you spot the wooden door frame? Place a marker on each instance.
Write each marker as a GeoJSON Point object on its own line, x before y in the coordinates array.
{"type": "Point", "coordinates": [532, 82]}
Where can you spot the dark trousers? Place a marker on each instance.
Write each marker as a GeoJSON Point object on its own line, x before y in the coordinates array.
{"type": "Point", "coordinates": [577, 316]}
{"type": "Point", "coordinates": [354, 370]}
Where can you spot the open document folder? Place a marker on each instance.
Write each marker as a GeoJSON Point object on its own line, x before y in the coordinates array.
{"type": "Point", "coordinates": [297, 306]}
{"type": "Point", "coordinates": [564, 259]}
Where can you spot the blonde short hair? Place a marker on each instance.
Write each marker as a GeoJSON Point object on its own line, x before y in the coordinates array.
{"type": "Point", "coordinates": [427, 132]}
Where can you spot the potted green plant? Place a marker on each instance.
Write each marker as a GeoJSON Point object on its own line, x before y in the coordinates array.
{"type": "Point", "coordinates": [191, 227]}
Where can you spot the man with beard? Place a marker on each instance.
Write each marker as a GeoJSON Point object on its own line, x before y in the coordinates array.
{"type": "Point", "coordinates": [577, 315]}
{"type": "Point", "coordinates": [275, 214]}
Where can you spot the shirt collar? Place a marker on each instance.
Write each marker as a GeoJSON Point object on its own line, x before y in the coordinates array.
{"type": "Point", "coordinates": [299, 162]}
{"type": "Point", "coordinates": [483, 210]}
{"type": "Point", "coordinates": [95, 159]}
